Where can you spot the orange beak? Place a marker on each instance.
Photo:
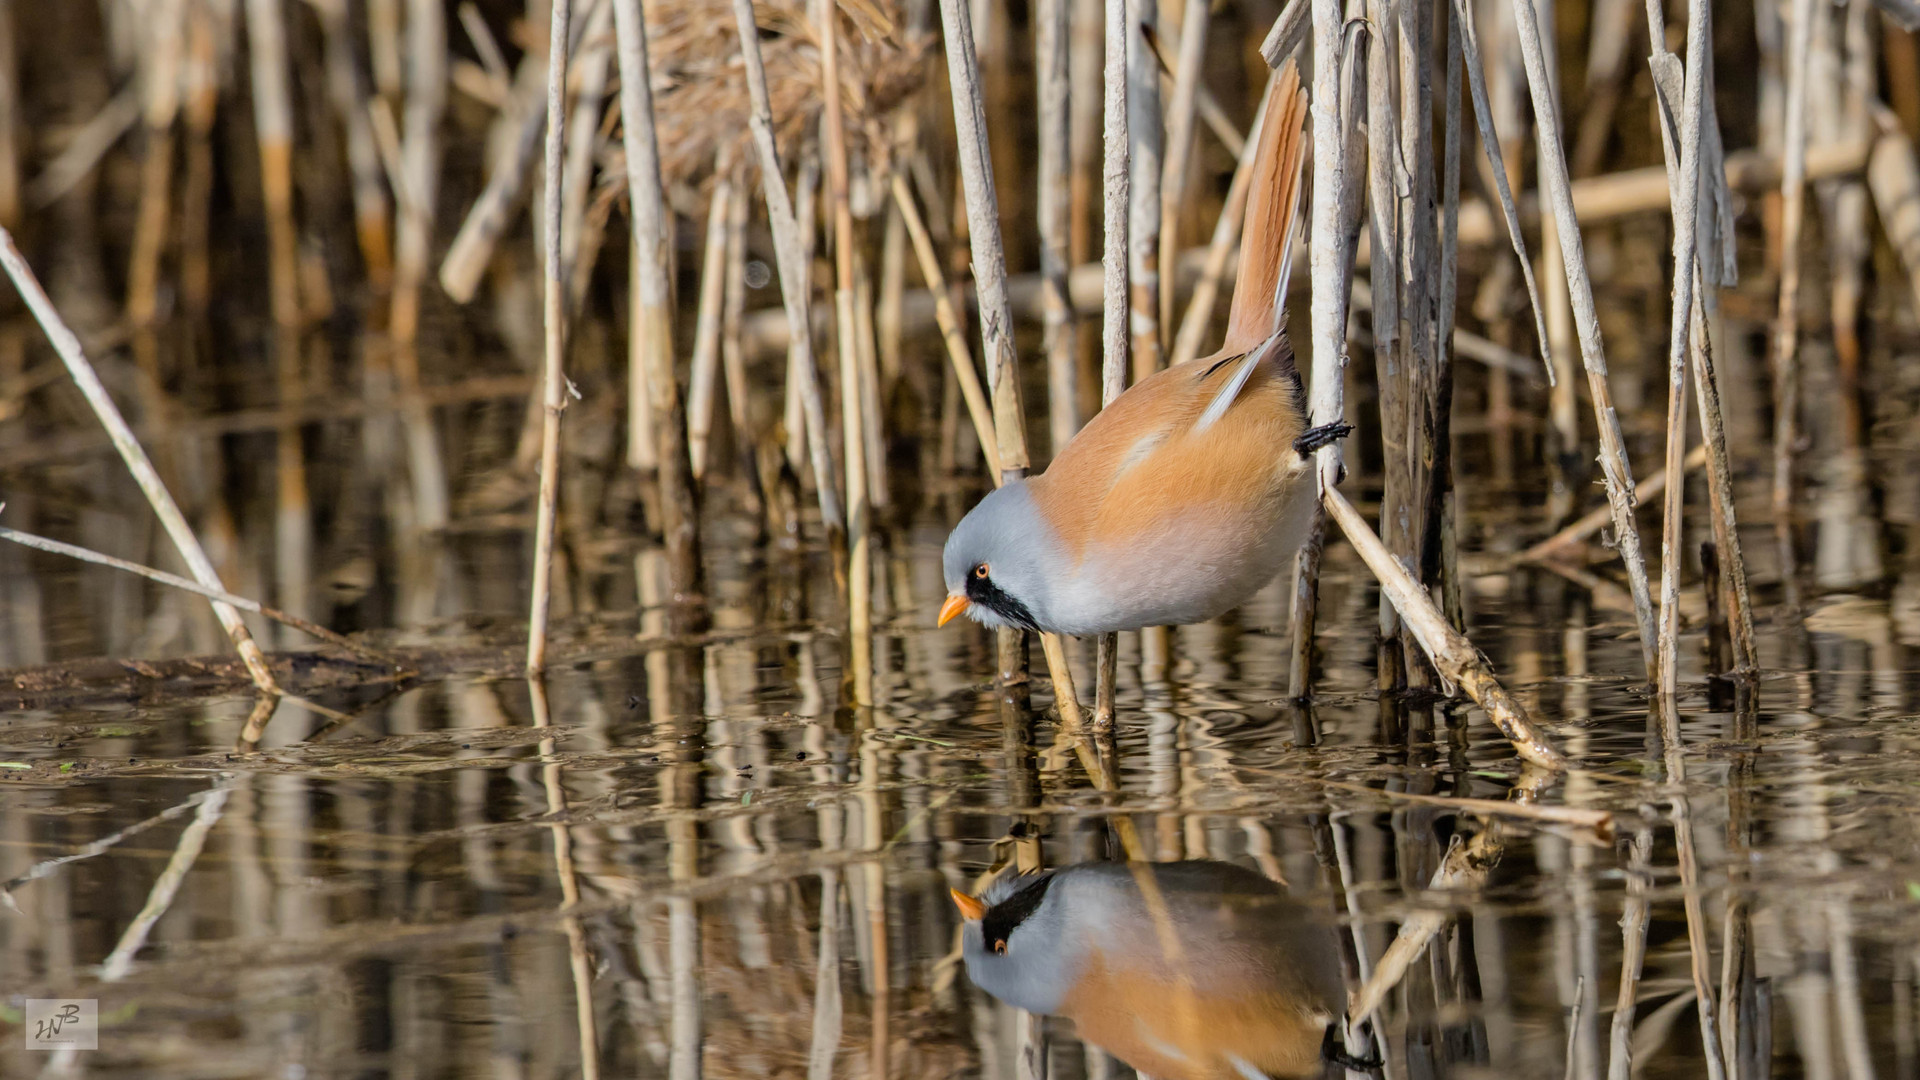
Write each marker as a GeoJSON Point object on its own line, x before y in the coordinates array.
{"type": "Point", "coordinates": [952, 608]}
{"type": "Point", "coordinates": [970, 907]}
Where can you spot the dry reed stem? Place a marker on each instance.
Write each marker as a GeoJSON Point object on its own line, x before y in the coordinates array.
{"type": "Point", "coordinates": [472, 248]}
{"type": "Point", "coordinates": [305, 626]}
{"type": "Point", "coordinates": [579, 236]}
{"type": "Point", "coordinates": [950, 330]}
{"type": "Point", "coordinates": [579, 957]}
{"type": "Point", "coordinates": [166, 886]}
{"type": "Point", "coordinates": [706, 333]}
{"type": "Point", "coordinates": [1613, 451]}
{"type": "Point", "coordinates": [1115, 345]}
{"type": "Point", "coordinates": [1051, 39]}
{"type": "Point", "coordinates": [854, 419]}
{"type": "Point", "coordinates": [1786, 329]}
{"type": "Point", "coordinates": [1145, 135]}
{"type": "Point", "coordinates": [372, 210]}
{"type": "Point", "coordinates": [1206, 107]}
{"type": "Point", "coordinates": [1116, 183]}
{"type": "Point", "coordinates": [658, 414]}
{"type": "Point", "coordinates": [273, 130]}
{"type": "Point", "coordinates": [1462, 20]}
{"type": "Point", "coordinates": [67, 346]}
{"type": "Point", "coordinates": [84, 150]}
{"type": "Point", "coordinates": [1453, 656]}
{"type": "Point", "coordinates": [1685, 178]}
{"type": "Point", "coordinates": [1633, 954]}
{"type": "Point", "coordinates": [1699, 949]}
{"type": "Point", "coordinates": [1331, 267]}
{"type": "Point", "coordinates": [1388, 237]}
{"type": "Point", "coordinates": [790, 256]}
{"type": "Point", "coordinates": [1289, 30]}
{"type": "Point", "coordinates": [1178, 163]}
{"type": "Point", "coordinates": [554, 393]}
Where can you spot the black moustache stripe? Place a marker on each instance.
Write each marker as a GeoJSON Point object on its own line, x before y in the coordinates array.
{"type": "Point", "coordinates": [984, 592]}
{"type": "Point", "coordinates": [1011, 912]}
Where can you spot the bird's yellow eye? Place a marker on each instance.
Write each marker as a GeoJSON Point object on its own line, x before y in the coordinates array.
{"type": "Point", "coordinates": [1000, 947]}
{"type": "Point", "coordinates": [980, 571]}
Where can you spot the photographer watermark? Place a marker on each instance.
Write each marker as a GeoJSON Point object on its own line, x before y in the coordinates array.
{"type": "Point", "coordinates": [62, 1023]}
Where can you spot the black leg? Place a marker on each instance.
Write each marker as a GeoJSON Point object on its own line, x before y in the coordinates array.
{"type": "Point", "coordinates": [1324, 435]}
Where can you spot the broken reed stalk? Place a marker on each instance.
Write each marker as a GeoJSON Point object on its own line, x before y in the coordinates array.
{"type": "Point", "coordinates": [554, 391]}
{"type": "Point", "coordinates": [791, 260]}
{"type": "Point", "coordinates": [854, 421]}
{"type": "Point", "coordinates": [1052, 34]}
{"type": "Point", "coordinates": [1786, 327]}
{"type": "Point", "coordinates": [1613, 450]}
{"type": "Point", "coordinates": [1331, 267]}
{"type": "Point", "coordinates": [1453, 656]}
{"type": "Point", "coordinates": [1116, 188]}
{"type": "Point", "coordinates": [996, 315]}
{"type": "Point", "coordinates": [950, 330]}
{"type": "Point", "coordinates": [650, 334]}
{"type": "Point", "coordinates": [305, 626]}
{"type": "Point", "coordinates": [1686, 130]}
{"type": "Point", "coordinates": [67, 346]}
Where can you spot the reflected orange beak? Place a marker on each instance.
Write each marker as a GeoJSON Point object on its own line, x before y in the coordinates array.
{"type": "Point", "coordinates": [952, 608]}
{"type": "Point", "coordinates": [970, 907]}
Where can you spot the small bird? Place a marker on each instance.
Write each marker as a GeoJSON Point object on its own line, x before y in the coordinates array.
{"type": "Point", "coordinates": [1193, 488]}
{"type": "Point", "coordinates": [1186, 971]}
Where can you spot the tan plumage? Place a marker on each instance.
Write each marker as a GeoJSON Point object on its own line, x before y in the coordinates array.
{"type": "Point", "coordinates": [1183, 496]}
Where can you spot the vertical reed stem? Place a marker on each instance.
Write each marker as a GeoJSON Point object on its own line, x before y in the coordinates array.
{"type": "Point", "coordinates": [1143, 207]}
{"type": "Point", "coordinates": [554, 380]}
{"type": "Point", "coordinates": [1053, 32]}
{"type": "Point", "coordinates": [1786, 327]}
{"type": "Point", "coordinates": [1613, 450]}
{"type": "Point", "coordinates": [853, 421]}
{"type": "Point", "coordinates": [1116, 185]}
{"type": "Point", "coordinates": [790, 255]}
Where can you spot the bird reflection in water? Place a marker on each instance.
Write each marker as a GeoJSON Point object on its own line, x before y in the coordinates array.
{"type": "Point", "coordinates": [1185, 971]}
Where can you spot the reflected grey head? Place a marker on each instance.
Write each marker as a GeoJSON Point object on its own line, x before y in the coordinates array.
{"type": "Point", "coordinates": [1000, 558]}
{"type": "Point", "coordinates": [1019, 949]}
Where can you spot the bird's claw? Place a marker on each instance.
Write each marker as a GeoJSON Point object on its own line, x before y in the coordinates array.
{"type": "Point", "coordinates": [1334, 1051]}
{"type": "Point", "coordinates": [1324, 435]}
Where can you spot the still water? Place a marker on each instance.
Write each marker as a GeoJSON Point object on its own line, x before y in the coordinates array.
{"type": "Point", "coordinates": [691, 857]}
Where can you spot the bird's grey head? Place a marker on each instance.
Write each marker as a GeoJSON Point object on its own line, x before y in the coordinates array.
{"type": "Point", "coordinates": [998, 559]}
{"type": "Point", "coordinates": [1019, 948]}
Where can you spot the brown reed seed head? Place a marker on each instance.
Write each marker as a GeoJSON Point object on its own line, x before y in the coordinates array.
{"type": "Point", "coordinates": [700, 83]}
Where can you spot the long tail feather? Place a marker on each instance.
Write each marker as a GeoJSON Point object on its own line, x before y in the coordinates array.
{"type": "Point", "coordinates": [1273, 205]}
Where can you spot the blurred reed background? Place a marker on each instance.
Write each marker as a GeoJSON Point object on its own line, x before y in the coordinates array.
{"type": "Point", "coordinates": [403, 350]}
